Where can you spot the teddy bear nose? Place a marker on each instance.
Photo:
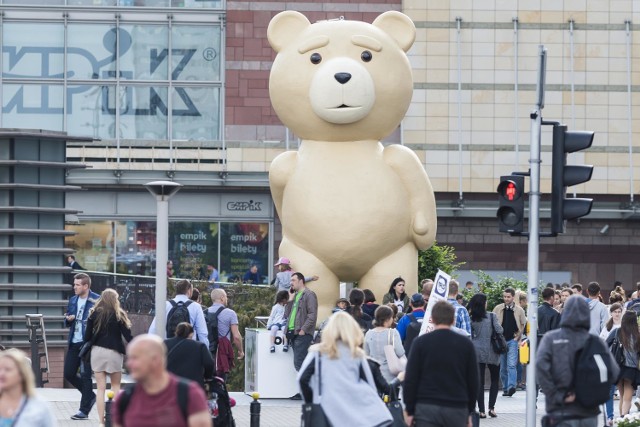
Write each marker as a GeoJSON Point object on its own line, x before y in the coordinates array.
{"type": "Point", "coordinates": [342, 78]}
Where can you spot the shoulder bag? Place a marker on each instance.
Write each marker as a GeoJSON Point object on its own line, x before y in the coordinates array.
{"type": "Point", "coordinates": [617, 349]}
{"type": "Point", "coordinates": [312, 413]}
{"type": "Point", "coordinates": [498, 343]}
{"type": "Point", "coordinates": [396, 364]}
{"type": "Point", "coordinates": [395, 408]}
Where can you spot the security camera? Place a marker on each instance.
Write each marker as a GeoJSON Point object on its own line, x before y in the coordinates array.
{"type": "Point", "coordinates": [163, 188]}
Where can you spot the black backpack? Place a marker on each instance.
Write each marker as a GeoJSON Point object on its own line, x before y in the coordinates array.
{"type": "Point", "coordinates": [212, 329]}
{"type": "Point", "coordinates": [413, 330]}
{"type": "Point", "coordinates": [183, 398]}
{"type": "Point", "coordinates": [179, 313]}
{"type": "Point", "coordinates": [592, 376]}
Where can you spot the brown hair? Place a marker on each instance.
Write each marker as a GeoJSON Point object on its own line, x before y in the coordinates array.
{"type": "Point", "coordinates": [84, 278]}
{"type": "Point", "coordinates": [184, 329]}
{"type": "Point", "coordinates": [108, 305]}
{"type": "Point", "coordinates": [629, 333]}
{"type": "Point", "coordinates": [182, 287]}
{"type": "Point", "coordinates": [382, 314]}
{"type": "Point", "coordinates": [443, 313]}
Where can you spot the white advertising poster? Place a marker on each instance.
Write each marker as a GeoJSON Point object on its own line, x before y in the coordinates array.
{"type": "Point", "coordinates": [439, 292]}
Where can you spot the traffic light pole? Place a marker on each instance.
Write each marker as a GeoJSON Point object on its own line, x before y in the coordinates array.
{"type": "Point", "coordinates": [534, 238]}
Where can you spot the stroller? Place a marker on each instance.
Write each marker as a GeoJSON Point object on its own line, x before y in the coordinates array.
{"type": "Point", "coordinates": [220, 403]}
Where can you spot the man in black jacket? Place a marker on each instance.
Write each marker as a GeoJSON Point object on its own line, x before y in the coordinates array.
{"type": "Point", "coordinates": [188, 358]}
{"type": "Point", "coordinates": [441, 379]}
{"type": "Point", "coordinates": [548, 317]}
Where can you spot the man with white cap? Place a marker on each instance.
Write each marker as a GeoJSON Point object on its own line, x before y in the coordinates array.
{"type": "Point", "coordinates": [282, 281]}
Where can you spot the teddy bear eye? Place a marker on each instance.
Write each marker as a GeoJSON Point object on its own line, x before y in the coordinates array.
{"type": "Point", "coordinates": [366, 56]}
{"type": "Point", "coordinates": [315, 58]}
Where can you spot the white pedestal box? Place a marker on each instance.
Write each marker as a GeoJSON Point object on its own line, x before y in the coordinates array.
{"type": "Point", "coordinates": [270, 374]}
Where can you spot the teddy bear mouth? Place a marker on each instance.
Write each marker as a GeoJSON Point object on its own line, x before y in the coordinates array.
{"type": "Point", "coordinates": [343, 106]}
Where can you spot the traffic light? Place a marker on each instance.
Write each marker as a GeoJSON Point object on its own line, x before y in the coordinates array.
{"type": "Point", "coordinates": [563, 176]}
{"type": "Point", "coordinates": [511, 199]}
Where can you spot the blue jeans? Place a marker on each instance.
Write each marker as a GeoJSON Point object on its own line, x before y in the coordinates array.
{"type": "Point", "coordinates": [609, 404]}
{"type": "Point", "coordinates": [508, 363]}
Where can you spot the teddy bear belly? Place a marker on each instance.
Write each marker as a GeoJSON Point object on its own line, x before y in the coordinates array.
{"type": "Point", "coordinates": [365, 222]}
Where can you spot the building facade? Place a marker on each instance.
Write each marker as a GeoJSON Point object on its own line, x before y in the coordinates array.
{"type": "Point", "coordinates": [179, 90]}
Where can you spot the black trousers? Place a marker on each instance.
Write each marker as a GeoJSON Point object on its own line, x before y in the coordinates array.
{"type": "Point", "coordinates": [80, 380]}
{"type": "Point", "coordinates": [494, 373]}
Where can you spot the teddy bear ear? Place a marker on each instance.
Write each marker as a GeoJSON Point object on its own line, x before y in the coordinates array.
{"type": "Point", "coordinates": [284, 27]}
{"type": "Point", "coordinates": [399, 26]}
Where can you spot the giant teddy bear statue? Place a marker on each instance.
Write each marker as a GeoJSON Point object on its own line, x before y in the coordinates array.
{"type": "Point", "coordinates": [351, 209]}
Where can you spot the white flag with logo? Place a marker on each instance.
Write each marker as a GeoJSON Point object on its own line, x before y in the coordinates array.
{"type": "Point", "coordinates": [440, 292]}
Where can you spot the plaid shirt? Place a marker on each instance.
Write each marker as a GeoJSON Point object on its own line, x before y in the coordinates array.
{"type": "Point", "coordinates": [463, 321]}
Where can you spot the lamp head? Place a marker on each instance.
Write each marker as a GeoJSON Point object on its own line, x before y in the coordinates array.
{"type": "Point", "coordinates": [165, 189]}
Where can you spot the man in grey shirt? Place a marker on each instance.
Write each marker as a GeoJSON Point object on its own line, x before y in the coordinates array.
{"type": "Point", "coordinates": [598, 311]}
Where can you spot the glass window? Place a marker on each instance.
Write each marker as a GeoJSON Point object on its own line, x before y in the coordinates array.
{"type": "Point", "coordinates": [196, 113]}
{"type": "Point", "coordinates": [193, 246]}
{"type": "Point", "coordinates": [30, 106]}
{"type": "Point", "coordinates": [144, 51]}
{"type": "Point", "coordinates": [92, 2]}
{"type": "Point", "coordinates": [244, 245]}
{"type": "Point", "coordinates": [196, 53]}
{"type": "Point", "coordinates": [93, 244]}
{"type": "Point", "coordinates": [136, 247]}
{"type": "Point", "coordinates": [91, 111]}
{"type": "Point", "coordinates": [143, 112]}
{"type": "Point", "coordinates": [200, 3]}
{"type": "Point", "coordinates": [92, 51]}
{"type": "Point", "coordinates": [33, 50]}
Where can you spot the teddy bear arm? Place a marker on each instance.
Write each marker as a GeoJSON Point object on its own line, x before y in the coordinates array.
{"type": "Point", "coordinates": [406, 165]}
{"type": "Point", "coordinates": [280, 171]}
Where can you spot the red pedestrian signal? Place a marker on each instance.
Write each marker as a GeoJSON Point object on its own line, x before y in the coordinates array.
{"type": "Point", "coordinates": [511, 211]}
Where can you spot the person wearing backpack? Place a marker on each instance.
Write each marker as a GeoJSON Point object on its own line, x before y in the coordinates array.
{"type": "Point", "coordinates": [409, 325]}
{"type": "Point", "coordinates": [224, 333]}
{"type": "Point", "coordinates": [158, 398]}
{"type": "Point", "coordinates": [183, 309]}
{"type": "Point", "coordinates": [575, 369]}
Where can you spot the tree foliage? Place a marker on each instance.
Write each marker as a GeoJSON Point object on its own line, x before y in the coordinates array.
{"type": "Point", "coordinates": [437, 257]}
{"type": "Point", "coordinates": [494, 289]}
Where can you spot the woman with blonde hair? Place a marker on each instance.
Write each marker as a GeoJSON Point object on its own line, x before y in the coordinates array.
{"type": "Point", "coordinates": [336, 375]}
{"type": "Point", "coordinates": [106, 326]}
{"type": "Point", "coordinates": [19, 406]}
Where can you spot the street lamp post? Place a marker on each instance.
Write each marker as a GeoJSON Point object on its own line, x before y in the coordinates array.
{"type": "Point", "coordinates": [162, 191]}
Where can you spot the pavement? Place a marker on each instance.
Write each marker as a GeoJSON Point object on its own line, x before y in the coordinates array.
{"type": "Point", "coordinates": [280, 412]}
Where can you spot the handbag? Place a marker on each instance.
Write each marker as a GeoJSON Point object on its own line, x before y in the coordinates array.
{"type": "Point", "coordinates": [617, 349]}
{"type": "Point", "coordinates": [85, 350]}
{"type": "Point", "coordinates": [395, 408]}
{"type": "Point", "coordinates": [312, 413]}
{"type": "Point", "coordinates": [498, 343]}
{"type": "Point", "coordinates": [396, 364]}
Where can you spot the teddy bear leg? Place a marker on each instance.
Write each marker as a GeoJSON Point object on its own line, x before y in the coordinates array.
{"type": "Point", "coordinates": [403, 262]}
{"type": "Point", "coordinates": [326, 288]}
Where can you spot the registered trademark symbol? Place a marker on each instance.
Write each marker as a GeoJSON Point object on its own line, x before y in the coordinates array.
{"type": "Point", "coordinates": [209, 54]}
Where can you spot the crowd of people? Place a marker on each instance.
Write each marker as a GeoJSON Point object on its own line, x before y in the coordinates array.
{"type": "Point", "coordinates": [362, 353]}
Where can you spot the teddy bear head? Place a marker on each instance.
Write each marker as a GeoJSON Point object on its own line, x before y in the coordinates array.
{"type": "Point", "coordinates": [341, 80]}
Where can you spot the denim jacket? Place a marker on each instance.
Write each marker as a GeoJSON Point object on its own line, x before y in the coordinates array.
{"type": "Point", "coordinates": [72, 308]}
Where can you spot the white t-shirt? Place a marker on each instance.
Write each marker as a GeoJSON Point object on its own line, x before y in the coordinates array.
{"type": "Point", "coordinates": [400, 304]}
{"type": "Point", "coordinates": [77, 332]}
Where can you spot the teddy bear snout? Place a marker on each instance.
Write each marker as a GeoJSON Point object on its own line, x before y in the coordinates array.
{"type": "Point", "coordinates": [342, 78]}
